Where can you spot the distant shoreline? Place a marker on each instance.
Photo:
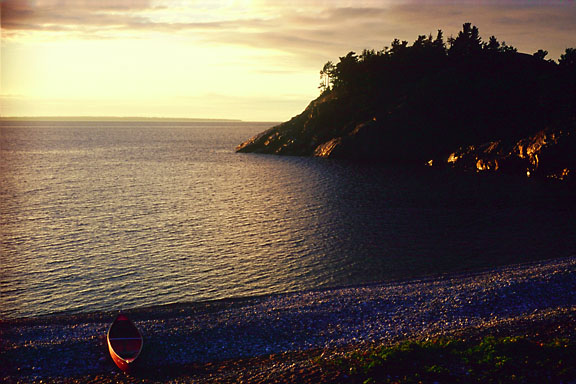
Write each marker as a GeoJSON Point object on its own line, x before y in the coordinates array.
{"type": "Point", "coordinates": [112, 118]}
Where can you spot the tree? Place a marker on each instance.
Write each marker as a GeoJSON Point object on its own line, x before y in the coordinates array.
{"type": "Point", "coordinates": [493, 45]}
{"type": "Point", "coordinates": [346, 70]}
{"type": "Point", "coordinates": [438, 43]}
{"type": "Point", "coordinates": [467, 43]}
{"type": "Point", "coordinates": [568, 58]}
{"type": "Point", "coordinates": [368, 54]}
{"type": "Point", "coordinates": [507, 48]}
{"type": "Point", "coordinates": [422, 42]}
{"type": "Point", "coordinates": [540, 54]}
{"type": "Point", "coordinates": [398, 47]}
{"type": "Point", "coordinates": [327, 75]}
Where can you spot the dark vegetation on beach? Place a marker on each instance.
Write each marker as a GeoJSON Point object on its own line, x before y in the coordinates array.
{"type": "Point", "coordinates": [466, 102]}
{"type": "Point", "coordinates": [511, 359]}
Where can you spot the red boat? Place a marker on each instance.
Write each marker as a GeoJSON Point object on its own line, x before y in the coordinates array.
{"type": "Point", "coordinates": [124, 342]}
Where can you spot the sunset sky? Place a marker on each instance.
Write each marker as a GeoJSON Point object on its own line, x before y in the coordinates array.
{"type": "Point", "coordinates": [242, 59]}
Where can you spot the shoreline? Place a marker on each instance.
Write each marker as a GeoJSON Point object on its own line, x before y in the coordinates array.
{"type": "Point", "coordinates": [171, 309]}
{"type": "Point", "coordinates": [197, 334]}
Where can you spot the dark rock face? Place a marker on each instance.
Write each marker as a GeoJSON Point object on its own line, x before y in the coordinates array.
{"type": "Point", "coordinates": [510, 113]}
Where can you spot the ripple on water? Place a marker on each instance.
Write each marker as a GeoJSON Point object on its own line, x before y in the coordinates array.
{"type": "Point", "coordinates": [110, 215]}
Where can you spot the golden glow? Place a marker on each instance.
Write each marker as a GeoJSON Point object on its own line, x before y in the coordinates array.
{"type": "Point", "coordinates": [154, 71]}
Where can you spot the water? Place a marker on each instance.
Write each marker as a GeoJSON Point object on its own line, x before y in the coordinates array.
{"type": "Point", "coordinates": [104, 215]}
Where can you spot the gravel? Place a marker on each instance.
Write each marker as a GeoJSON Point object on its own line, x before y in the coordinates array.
{"type": "Point", "coordinates": [196, 334]}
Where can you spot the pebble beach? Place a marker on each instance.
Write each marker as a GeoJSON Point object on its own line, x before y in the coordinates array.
{"type": "Point", "coordinates": [279, 332]}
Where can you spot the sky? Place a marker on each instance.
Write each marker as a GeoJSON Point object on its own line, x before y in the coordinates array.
{"type": "Point", "coordinates": [254, 60]}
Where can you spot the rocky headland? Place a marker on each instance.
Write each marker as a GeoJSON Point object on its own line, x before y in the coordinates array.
{"type": "Point", "coordinates": [475, 105]}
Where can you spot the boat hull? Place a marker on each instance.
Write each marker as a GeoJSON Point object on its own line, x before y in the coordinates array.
{"type": "Point", "coordinates": [125, 343]}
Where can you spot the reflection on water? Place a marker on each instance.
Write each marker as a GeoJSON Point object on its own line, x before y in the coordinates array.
{"type": "Point", "coordinates": [108, 215]}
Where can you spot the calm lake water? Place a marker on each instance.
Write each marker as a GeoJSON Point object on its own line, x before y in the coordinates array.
{"type": "Point", "coordinates": [104, 215]}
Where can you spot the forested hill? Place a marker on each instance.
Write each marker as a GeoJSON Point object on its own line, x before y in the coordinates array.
{"type": "Point", "coordinates": [464, 102]}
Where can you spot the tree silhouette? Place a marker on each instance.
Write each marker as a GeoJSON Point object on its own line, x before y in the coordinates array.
{"type": "Point", "coordinates": [507, 48]}
{"type": "Point", "coordinates": [327, 75]}
{"type": "Point", "coordinates": [568, 59]}
{"type": "Point", "coordinates": [398, 47]}
{"type": "Point", "coordinates": [468, 42]}
{"type": "Point", "coordinates": [382, 73]}
{"type": "Point", "coordinates": [493, 45]}
{"type": "Point", "coordinates": [345, 71]}
{"type": "Point", "coordinates": [438, 43]}
{"type": "Point", "coordinates": [540, 54]}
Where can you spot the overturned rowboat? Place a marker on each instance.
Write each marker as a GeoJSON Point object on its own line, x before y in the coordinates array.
{"type": "Point", "coordinates": [124, 342]}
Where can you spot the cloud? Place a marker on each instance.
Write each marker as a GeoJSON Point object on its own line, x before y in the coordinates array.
{"type": "Point", "coordinates": [313, 29]}
{"type": "Point", "coordinates": [73, 16]}
{"type": "Point", "coordinates": [112, 19]}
